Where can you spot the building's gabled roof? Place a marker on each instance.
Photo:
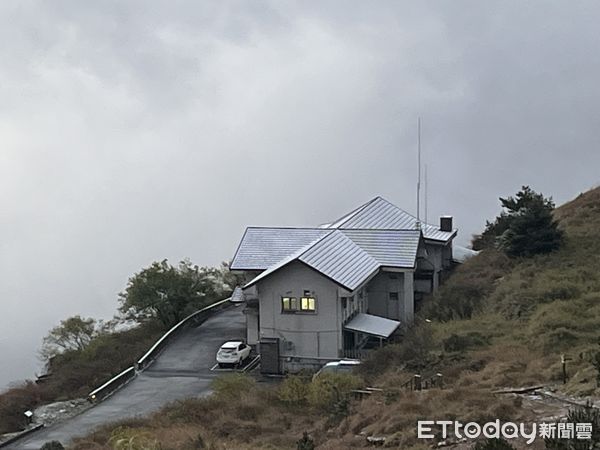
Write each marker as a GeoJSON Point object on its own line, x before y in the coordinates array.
{"type": "Point", "coordinates": [382, 215]}
{"type": "Point", "coordinates": [350, 257]}
{"type": "Point", "coordinates": [391, 248]}
{"type": "Point", "coordinates": [261, 248]}
{"type": "Point", "coordinates": [337, 257]}
{"type": "Point", "coordinates": [348, 251]}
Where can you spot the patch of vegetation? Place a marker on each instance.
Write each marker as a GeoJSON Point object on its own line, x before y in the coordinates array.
{"type": "Point", "coordinates": [232, 386]}
{"type": "Point", "coordinates": [586, 414]}
{"type": "Point", "coordinates": [463, 294]}
{"type": "Point", "coordinates": [526, 227]}
{"type": "Point", "coordinates": [461, 343]}
{"type": "Point", "coordinates": [14, 402]}
{"type": "Point", "coordinates": [123, 438]}
{"type": "Point", "coordinates": [74, 373]}
{"type": "Point", "coordinates": [74, 333]}
{"type": "Point", "coordinates": [493, 444]}
{"type": "Point", "coordinates": [294, 390]}
{"type": "Point", "coordinates": [305, 443]}
{"type": "Point", "coordinates": [52, 445]}
{"type": "Point", "coordinates": [170, 293]}
{"type": "Point", "coordinates": [412, 352]}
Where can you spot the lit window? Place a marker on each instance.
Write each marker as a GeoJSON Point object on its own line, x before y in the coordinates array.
{"type": "Point", "coordinates": [289, 304]}
{"type": "Point", "coordinates": [307, 304]}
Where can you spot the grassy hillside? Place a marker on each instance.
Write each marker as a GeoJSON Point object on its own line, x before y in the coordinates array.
{"type": "Point", "coordinates": [496, 323]}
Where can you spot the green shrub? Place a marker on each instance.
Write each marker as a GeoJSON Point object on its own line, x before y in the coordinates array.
{"type": "Point", "coordinates": [412, 352]}
{"type": "Point", "coordinates": [124, 438]}
{"type": "Point", "coordinates": [294, 390]}
{"type": "Point", "coordinates": [14, 402]}
{"type": "Point", "coordinates": [464, 293]}
{"type": "Point", "coordinates": [232, 386]}
{"type": "Point", "coordinates": [52, 445]}
{"type": "Point", "coordinates": [190, 410]}
{"type": "Point", "coordinates": [305, 443]}
{"type": "Point", "coordinates": [75, 373]}
{"type": "Point", "coordinates": [460, 343]}
{"type": "Point", "coordinates": [330, 388]}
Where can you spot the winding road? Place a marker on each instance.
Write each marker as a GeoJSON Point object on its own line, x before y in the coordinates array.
{"type": "Point", "coordinates": [181, 371]}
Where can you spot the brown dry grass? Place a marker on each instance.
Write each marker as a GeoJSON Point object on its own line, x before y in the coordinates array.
{"type": "Point", "coordinates": [220, 424]}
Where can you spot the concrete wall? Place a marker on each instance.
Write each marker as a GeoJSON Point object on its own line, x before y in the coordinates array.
{"type": "Point", "coordinates": [251, 326]}
{"type": "Point", "coordinates": [440, 257]}
{"type": "Point", "coordinates": [407, 314]}
{"type": "Point", "coordinates": [379, 289]}
{"type": "Point", "coordinates": [301, 334]}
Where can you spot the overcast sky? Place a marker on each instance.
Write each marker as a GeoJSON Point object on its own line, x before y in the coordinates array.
{"type": "Point", "coordinates": [132, 131]}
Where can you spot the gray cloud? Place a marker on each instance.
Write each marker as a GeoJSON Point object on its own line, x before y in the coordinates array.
{"type": "Point", "coordinates": [134, 131]}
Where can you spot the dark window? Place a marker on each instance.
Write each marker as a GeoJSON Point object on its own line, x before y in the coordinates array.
{"type": "Point", "coordinates": [344, 302]}
{"type": "Point", "coordinates": [289, 304]}
{"type": "Point", "coordinates": [393, 276]}
{"type": "Point", "coordinates": [293, 304]}
{"type": "Point", "coordinates": [393, 296]}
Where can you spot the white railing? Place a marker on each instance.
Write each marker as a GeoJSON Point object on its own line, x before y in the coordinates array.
{"type": "Point", "coordinates": [128, 374]}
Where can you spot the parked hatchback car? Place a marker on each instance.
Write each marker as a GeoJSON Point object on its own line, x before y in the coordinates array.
{"type": "Point", "coordinates": [342, 366]}
{"type": "Point", "coordinates": [233, 353]}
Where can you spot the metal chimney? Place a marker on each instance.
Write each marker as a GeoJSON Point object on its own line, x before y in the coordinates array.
{"type": "Point", "coordinates": [446, 223]}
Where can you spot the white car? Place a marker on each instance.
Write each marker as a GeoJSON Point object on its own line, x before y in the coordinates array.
{"type": "Point", "coordinates": [233, 353]}
{"type": "Point", "coordinates": [342, 366]}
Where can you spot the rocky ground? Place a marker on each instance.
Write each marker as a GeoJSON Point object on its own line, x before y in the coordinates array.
{"type": "Point", "coordinates": [47, 415]}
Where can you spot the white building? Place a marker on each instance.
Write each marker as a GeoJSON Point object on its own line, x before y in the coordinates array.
{"type": "Point", "coordinates": [317, 294]}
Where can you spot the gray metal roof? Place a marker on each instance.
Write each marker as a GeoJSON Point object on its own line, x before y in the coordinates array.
{"type": "Point", "coordinates": [349, 250]}
{"type": "Point", "coordinates": [370, 324]}
{"type": "Point", "coordinates": [350, 257]}
{"type": "Point", "coordinates": [261, 248]}
{"type": "Point", "coordinates": [383, 215]}
{"type": "Point", "coordinates": [394, 248]}
{"type": "Point", "coordinates": [339, 258]}
{"type": "Point", "coordinates": [284, 262]}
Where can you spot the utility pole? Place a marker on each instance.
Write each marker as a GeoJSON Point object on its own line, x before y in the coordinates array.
{"type": "Point", "coordinates": [425, 202]}
{"type": "Point", "coordinates": [419, 174]}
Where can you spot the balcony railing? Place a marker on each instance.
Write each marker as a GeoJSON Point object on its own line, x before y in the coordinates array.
{"type": "Point", "coordinates": [357, 353]}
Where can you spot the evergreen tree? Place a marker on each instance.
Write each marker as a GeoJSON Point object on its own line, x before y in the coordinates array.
{"type": "Point", "coordinates": [526, 227]}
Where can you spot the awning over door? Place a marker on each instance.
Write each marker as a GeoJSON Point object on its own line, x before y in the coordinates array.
{"type": "Point", "coordinates": [374, 325]}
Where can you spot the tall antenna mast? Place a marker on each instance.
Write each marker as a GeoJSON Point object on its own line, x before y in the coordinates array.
{"type": "Point", "coordinates": [419, 177]}
{"type": "Point", "coordinates": [426, 183]}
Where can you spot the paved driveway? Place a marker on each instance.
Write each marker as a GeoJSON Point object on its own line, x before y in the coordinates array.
{"type": "Point", "coordinates": [181, 371]}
